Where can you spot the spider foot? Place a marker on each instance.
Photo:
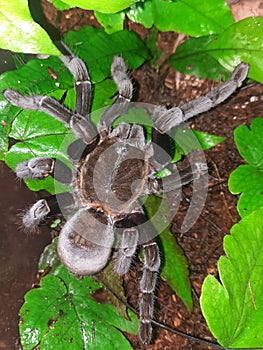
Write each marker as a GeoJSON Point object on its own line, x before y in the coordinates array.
{"type": "Point", "coordinates": [40, 168]}
{"type": "Point", "coordinates": [35, 215]}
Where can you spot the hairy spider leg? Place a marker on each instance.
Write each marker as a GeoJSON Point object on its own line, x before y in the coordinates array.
{"type": "Point", "coordinates": [83, 86]}
{"type": "Point", "coordinates": [42, 208]}
{"type": "Point", "coordinates": [126, 250]}
{"type": "Point", "coordinates": [123, 98]}
{"type": "Point", "coordinates": [165, 119]}
{"type": "Point", "coordinates": [151, 268]}
{"type": "Point", "coordinates": [80, 125]}
{"type": "Point", "coordinates": [139, 228]}
{"type": "Point", "coordinates": [37, 169]}
{"type": "Point", "coordinates": [40, 168]}
{"type": "Point", "coordinates": [178, 178]}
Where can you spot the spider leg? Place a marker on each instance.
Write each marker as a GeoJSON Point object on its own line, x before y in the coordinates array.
{"type": "Point", "coordinates": [165, 119]}
{"type": "Point", "coordinates": [44, 207]}
{"type": "Point", "coordinates": [82, 85]}
{"type": "Point", "coordinates": [147, 285]}
{"type": "Point", "coordinates": [124, 96]}
{"type": "Point", "coordinates": [39, 168]}
{"type": "Point", "coordinates": [79, 123]}
{"type": "Point", "coordinates": [177, 179]}
{"type": "Point", "coordinates": [125, 253]}
{"type": "Point", "coordinates": [141, 229]}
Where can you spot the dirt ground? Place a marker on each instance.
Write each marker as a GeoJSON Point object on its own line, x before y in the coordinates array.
{"type": "Point", "coordinates": [202, 244]}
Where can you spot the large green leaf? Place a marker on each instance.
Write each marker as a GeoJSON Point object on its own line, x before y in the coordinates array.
{"type": "Point", "coordinates": [192, 17]}
{"type": "Point", "coordinates": [60, 5]}
{"type": "Point", "coordinates": [37, 133]}
{"type": "Point", "coordinates": [215, 56]}
{"type": "Point", "coordinates": [193, 57]}
{"type": "Point", "coordinates": [98, 48]}
{"type": "Point", "coordinates": [62, 313]}
{"type": "Point", "coordinates": [172, 15]}
{"type": "Point", "coordinates": [103, 6]}
{"type": "Point", "coordinates": [175, 270]}
{"type": "Point", "coordinates": [19, 32]}
{"type": "Point", "coordinates": [233, 307]}
{"type": "Point", "coordinates": [248, 179]}
{"type": "Point", "coordinates": [242, 41]}
{"type": "Point", "coordinates": [35, 78]}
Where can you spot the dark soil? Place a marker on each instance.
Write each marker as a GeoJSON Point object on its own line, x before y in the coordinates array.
{"type": "Point", "coordinates": [202, 244]}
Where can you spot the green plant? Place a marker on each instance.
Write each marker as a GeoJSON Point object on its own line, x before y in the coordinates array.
{"type": "Point", "coordinates": [214, 48]}
{"type": "Point", "coordinates": [248, 178]}
{"type": "Point", "coordinates": [233, 307]}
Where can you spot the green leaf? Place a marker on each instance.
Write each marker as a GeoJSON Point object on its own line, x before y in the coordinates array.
{"type": "Point", "coordinates": [98, 48]}
{"type": "Point", "coordinates": [214, 56]}
{"type": "Point", "coordinates": [103, 6]}
{"type": "Point", "coordinates": [37, 133]}
{"type": "Point", "coordinates": [192, 17]}
{"type": "Point", "coordinates": [20, 33]}
{"type": "Point", "coordinates": [111, 22]}
{"type": "Point", "coordinates": [49, 260]}
{"type": "Point", "coordinates": [208, 141]}
{"type": "Point", "coordinates": [193, 57]}
{"type": "Point", "coordinates": [141, 12]}
{"type": "Point", "coordinates": [242, 41]}
{"type": "Point", "coordinates": [117, 315]}
{"type": "Point", "coordinates": [33, 77]}
{"type": "Point", "coordinates": [250, 142]}
{"type": "Point", "coordinates": [175, 269]}
{"type": "Point", "coordinates": [233, 307]}
{"type": "Point", "coordinates": [60, 5]}
{"type": "Point", "coordinates": [248, 179]}
{"type": "Point", "coordinates": [62, 314]}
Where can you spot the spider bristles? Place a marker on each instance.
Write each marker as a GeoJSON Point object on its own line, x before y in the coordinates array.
{"type": "Point", "coordinates": [34, 215]}
{"type": "Point", "coordinates": [29, 230]}
{"type": "Point", "coordinates": [121, 77]}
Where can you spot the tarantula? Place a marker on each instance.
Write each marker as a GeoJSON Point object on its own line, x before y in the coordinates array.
{"type": "Point", "coordinates": [113, 168]}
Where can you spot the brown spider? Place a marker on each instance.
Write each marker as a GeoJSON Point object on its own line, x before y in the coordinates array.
{"type": "Point", "coordinates": [113, 169]}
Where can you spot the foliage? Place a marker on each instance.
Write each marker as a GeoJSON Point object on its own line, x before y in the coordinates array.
{"type": "Point", "coordinates": [55, 316]}
{"type": "Point", "coordinates": [233, 307]}
{"type": "Point", "coordinates": [216, 45]}
{"type": "Point", "coordinates": [19, 32]}
{"type": "Point", "coordinates": [239, 42]}
{"type": "Point", "coordinates": [200, 16]}
{"type": "Point", "coordinates": [97, 5]}
{"type": "Point", "coordinates": [248, 179]}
